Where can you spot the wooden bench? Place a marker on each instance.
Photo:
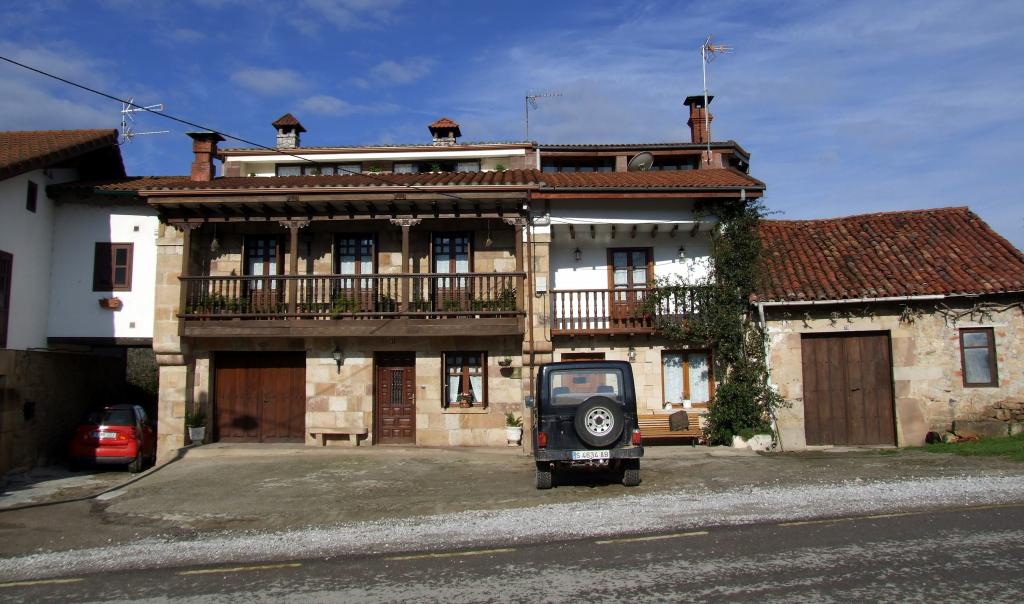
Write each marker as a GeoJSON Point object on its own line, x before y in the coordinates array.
{"type": "Point", "coordinates": [655, 426]}
{"type": "Point", "coordinates": [352, 433]}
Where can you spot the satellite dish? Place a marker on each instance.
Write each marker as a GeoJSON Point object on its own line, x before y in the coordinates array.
{"type": "Point", "coordinates": [641, 162]}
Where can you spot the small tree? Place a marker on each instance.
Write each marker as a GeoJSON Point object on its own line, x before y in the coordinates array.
{"type": "Point", "coordinates": [720, 317]}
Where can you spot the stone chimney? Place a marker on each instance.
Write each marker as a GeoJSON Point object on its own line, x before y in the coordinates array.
{"type": "Point", "coordinates": [700, 132]}
{"type": "Point", "coordinates": [204, 146]}
{"type": "Point", "coordinates": [288, 130]}
{"type": "Point", "coordinates": [444, 132]}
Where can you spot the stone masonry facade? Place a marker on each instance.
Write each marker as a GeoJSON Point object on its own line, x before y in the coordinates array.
{"type": "Point", "coordinates": [927, 373]}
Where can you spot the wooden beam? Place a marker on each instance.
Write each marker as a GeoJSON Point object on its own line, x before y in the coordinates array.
{"type": "Point", "coordinates": [672, 233]}
{"type": "Point", "coordinates": [693, 231]}
{"type": "Point", "coordinates": [433, 208]}
{"type": "Point", "coordinates": [654, 231]}
{"type": "Point", "coordinates": [593, 232]}
{"type": "Point", "coordinates": [632, 232]}
{"type": "Point", "coordinates": [351, 209]}
{"type": "Point", "coordinates": [476, 208]}
{"type": "Point", "coordinates": [572, 232]}
{"type": "Point", "coordinates": [613, 231]}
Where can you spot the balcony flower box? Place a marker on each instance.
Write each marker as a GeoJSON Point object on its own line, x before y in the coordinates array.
{"type": "Point", "coordinates": [111, 303]}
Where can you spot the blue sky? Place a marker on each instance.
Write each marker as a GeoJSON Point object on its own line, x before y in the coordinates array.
{"type": "Point", "coordinates": [845, 107]}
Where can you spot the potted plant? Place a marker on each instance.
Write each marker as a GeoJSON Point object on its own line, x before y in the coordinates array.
{"type": "Point", "coordinates": [465, 400]}
{"type": "Point", "coordinates": [513, 429]}
{"type": "Point", "coordinates": [195, 421]}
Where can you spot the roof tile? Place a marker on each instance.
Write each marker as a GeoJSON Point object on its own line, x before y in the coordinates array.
{"type": "Point", "coordinates": [22, 151]}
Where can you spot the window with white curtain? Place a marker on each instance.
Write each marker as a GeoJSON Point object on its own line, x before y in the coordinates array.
{"type": "Point", "coordinates": [686, 377]}
{"type": "Point", "coordinates": [465, 377]}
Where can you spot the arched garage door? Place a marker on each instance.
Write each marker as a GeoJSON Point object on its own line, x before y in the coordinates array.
{"type": "Point", "coordinates": [848, 396]}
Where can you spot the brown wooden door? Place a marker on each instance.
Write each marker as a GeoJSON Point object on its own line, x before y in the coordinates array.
{"type": "Point", "coordinates": [395, 398]}
{"type": "Point", "coordinates": [629, 272]}
{"type": "Point", "coordinates": [848, 396]}
{"type": "Point", "coordinates": [452, 254]}
{"type": "Point", "coordinates": [264, 258]}
{"type": "Point", "coordinates": [260, 397]}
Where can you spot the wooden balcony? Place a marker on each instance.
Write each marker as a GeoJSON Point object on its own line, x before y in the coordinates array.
{"type": "Point", "coordinates": [352, 305]}
{"type": "Point", "coordinates": [584, 312]}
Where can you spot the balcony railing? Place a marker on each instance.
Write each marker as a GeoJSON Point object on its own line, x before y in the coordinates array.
{"type": "Point", "coordinates": [419, 295]}
{"type": "Point", "coordinates": [620, 311]}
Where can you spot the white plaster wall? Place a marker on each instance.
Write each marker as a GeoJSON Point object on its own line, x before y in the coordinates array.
{"type": "Point", "coordinates": [76, 312]}
{"type": "Point", "coordinates": [488, 161]}
{"type": "Point", "coordinates": [28, 237]}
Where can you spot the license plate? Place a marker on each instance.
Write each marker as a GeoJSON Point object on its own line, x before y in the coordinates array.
{"type": "Point", "coordinates": [583, 455]}
{"type": "Point", "coordinates": [104, 434]}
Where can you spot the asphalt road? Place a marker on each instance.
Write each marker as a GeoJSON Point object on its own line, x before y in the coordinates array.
{"type": "Point", "coordinates": [960, 555]}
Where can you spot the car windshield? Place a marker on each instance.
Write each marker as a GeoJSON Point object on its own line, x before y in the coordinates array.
{"type": "Point", "coordinates": [111, 417]}
{"type": "Point", "coordinates": [573, 386]}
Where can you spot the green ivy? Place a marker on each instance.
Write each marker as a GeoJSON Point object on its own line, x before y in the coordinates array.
{"type": "Point", "coordinates": [718, 314]}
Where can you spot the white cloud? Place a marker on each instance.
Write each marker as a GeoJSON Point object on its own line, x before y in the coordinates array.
{"type": "Point", "coordinates": [406, 72]}
{"type": "Point", "coordinates": [310, 15]}
{"type": "Point", "coordinates": [326, 105]}
{"type": "Point", "coordinates": [269, 82]}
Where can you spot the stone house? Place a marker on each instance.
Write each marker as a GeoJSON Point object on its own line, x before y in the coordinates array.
{"type": "Point", "coordinates": [359, 292]}
{"type": "Point", "coordinates": [884, 327]}
{"type": "Point", "coordinates": [76, 288]}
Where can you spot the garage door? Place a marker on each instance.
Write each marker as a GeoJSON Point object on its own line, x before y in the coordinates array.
{"type": "Point", "coordinates": [848, 397]}
{"type": "Point", "coordinates": [260, 397]}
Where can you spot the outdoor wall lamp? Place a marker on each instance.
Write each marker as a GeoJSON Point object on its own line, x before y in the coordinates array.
{"type": "Point", "coordinates": [338, 357]}
{"type": "Point", "coordinates": [631, 355]}
{"type": "Point", "coordinates": [577, 254]}
{"type": "Point", "coordinates": [682, 253]}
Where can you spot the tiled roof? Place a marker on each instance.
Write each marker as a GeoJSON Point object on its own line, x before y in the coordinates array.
{"type": "Point", "coordinates": [371, 148]}
{"type": "Point", "coordinates": [686, 179]}
{"type": "Point", "coordinates": [923, 252]}
{"type": "Point", "coordinates": [288, 120]}
{"type": "Point", "coordinates": [23, 151]}
{"type": "Point", "coordinates": [444, 123]}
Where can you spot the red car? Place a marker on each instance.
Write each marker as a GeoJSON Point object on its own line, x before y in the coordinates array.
{"type": "Point", "coordinates": [116, 434]}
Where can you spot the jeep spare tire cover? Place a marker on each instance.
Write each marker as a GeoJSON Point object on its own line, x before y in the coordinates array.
{"type": "Point", "coordinates": [599, 421]}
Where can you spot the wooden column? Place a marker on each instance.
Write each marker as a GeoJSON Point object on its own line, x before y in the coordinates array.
{"type": "Point", "coordinates": [186, 258]}
{"type": "Point", "coordinates": [517, 224]}
{"type": "Point", "coordinates": [406, 224]}
{"type": "Point", "coordinates": [293, 227]}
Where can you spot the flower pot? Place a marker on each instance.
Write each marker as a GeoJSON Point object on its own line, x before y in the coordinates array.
{"type": "Point", "coordinates": [738, 442]}
{"type": "Point", "coordinates": [196, 435]}
{"type": "Point", "coordinates": [514, 435]}
{"type": "Point", "coordinates": [111, 303]}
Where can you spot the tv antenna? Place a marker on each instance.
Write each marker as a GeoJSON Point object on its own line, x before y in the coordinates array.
{"type": "Point", "coordinates": [708, 52]}
{"type": "Point", "coordinates": [128, 119]}
{"type": "Point", "coordinates": [531, 101]}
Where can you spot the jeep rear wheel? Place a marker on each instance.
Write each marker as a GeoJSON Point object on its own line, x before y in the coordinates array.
{"type": "Point", "coordinates": [544, 476]}
{"type": "Point", "coordinates": [599, 421]}
{"type": "Point", "coordinates": [631, 472]}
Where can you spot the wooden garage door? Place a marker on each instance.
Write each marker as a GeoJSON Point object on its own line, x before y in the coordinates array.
{"type": "Point", "coordinates": [260, 397]}
{"type": "Point", "coordinates": [848, 398]}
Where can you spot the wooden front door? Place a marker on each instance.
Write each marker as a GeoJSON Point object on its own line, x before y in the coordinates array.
{"type": "Point", "coordinates": [260, 396]}
{"type": "Point", "coordinates": [263, 258]}
{"type": "Point", "coordinates": [848, 395]}
{"type": "Point", "coordinates": [630, 271]}
{"type": "Point", "coordinates": [395, 398]}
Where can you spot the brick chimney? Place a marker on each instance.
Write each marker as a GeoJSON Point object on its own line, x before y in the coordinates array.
{"type": "Point", "coordinates": [204, 145]}
{"type": "Point", "coordinates": [288, 129]}
{"type": "Point", "coordinates": [700, 133]}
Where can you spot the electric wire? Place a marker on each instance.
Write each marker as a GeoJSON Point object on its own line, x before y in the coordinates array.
{"type": "Point", "coordinates": [130, 103]}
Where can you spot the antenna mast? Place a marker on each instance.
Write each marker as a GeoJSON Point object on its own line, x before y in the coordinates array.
{"type": "Point", "coordinates": [531, 101]}
{"type": "Point", "coordinates": [708, 51]}
{"type": "Point", "coordinates": [128, 120]}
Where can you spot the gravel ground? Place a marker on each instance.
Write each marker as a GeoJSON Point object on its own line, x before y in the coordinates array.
{"type": "Point", "coordinates": [647, 512]}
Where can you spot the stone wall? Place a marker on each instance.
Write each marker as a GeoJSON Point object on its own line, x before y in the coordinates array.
{"type": "Point", "coordinates": [44, 395]}
{"type": "Point", "coordinates": [927, 373]}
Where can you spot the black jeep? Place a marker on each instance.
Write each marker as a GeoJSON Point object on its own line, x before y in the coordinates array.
{"type": "Point", "coordinates": [585, 415]}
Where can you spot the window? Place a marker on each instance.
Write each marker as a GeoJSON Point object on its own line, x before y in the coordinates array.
{"type": "Point", "coordinates": [630, 268]}
{"type": "Point", "coordinates": [675, 162]}
{"type": "Point", "coordinates": [6, 264]}
{"type": "Point", "coordinates": [32, 196]}
{"type": "Point", "coordinates": [350, 169]}
{"type": "Point", "coordinates": [354, 255]}
{"type": "Point", "coordinates": [112, 269]}
{"type": "Point", "coordinates": [468, 166]}
{"type": "Point", "coordinates": [579, 164]}
{"type": "Point", "coordinates": [686, 378]}
{"type": "Point", "coordinates": [262, 259]}
{"type": "Point", "coordinates": [571, 387]}
{"type": "Point", "coordinates": [465, 380]}
{"type": "Point", "coordinates": [978, 357]}
{"type": "Point", "coordinates": [405, 168]}
{"type": "Point", "coordinates": [289, 170]}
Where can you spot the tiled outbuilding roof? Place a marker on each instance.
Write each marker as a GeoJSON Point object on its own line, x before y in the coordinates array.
{"type": "Point", "coordinates": [443, 122]}
{"type": "Point", "coordinates": [685, 179]}
{"type": "Point", "coordinates": [22, 151]}
{"type": "Point", "coordinates": [945, 251]}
